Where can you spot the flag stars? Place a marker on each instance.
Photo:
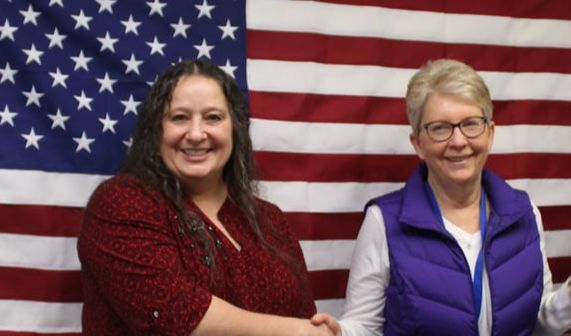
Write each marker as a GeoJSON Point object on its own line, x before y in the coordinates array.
{"type": "Point", "coordinates": [59, 78]}
{"type": "Point", "coordinates": [7, 31]}
{"type": "Point", "coordinates": [56, 39]}
{"type": "Point", "coordinates": [130, 105]}
{"type": "Point", "coordinates": [30, 15]}
{"type": "Point", "coordinates": [32, 139]}
{"type": "Point", "coordinates": [58, 119]}
{"type": "Point", "coordinates": [106, 83]}
{"type": "Point", "coordinates": [83, 143]}
{"type": "Point", "coordinates": [156, 7]}
{"type": "Point", "coordinates": [228, 30]}
{"type": "Point", "coordinates": [229, 68]}
{"type": "Point", "coordinates": [131, 26]}
{"type": "Point", "coordinates": [56, 2]}
{"type": "Point", "coordinates": [7, 74]}
{"type": "Point", "coordinates": [81, 61]}
{"type": "Point", "coordinates": [156, 46]}
{"type": "Point", "coordinates": [108, 124]}
{"type": "Point", "coordinates": [180, 28]}
{"type": "Point", "coordinates": [83, 101]}
{"type": "Point", "coordinates": [33, 54]}
{"type": "Point", "coordinates": [203, 49]}
{"type": "Point", "coordinates": [7, 117]}
{"type": "Point", "coordinates": [33, 97]}
{"type": "Point", "coordinates": [107, 42]}
{"type": "Point", "coordinates": [204, 9]}
{"type": "Point", "coordinates": [128, 143]}
{"type": "Point", "coordinates": [132, 65]}
{"type": "Point", "coordinates": [81, 20]}
{"type": "Point", "coordinates": [106, 5]}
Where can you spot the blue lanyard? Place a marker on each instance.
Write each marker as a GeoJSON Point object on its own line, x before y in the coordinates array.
{"type": "Point", "coordinates": [478, 272]}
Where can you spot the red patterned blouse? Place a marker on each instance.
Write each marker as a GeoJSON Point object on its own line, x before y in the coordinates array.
{"type": "Point", "coordinates": [143, 274]}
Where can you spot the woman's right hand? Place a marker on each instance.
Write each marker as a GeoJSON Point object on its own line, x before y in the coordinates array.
{"type": "Point", "coordinates": [325, 320]}
{"type": "Point", "coordinates": [307, 328]}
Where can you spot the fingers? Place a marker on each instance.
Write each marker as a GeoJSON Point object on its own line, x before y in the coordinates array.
{"type": "Point", "coordinates": [320, 319]}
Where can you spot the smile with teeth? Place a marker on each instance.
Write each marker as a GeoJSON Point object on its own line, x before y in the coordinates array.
{"type": "Point", "coordinates": [195, 151]}
{"type": "Point", "coordinates": [458, 158]}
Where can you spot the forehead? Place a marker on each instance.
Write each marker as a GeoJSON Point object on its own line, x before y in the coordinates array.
{"type": "Point", "coordinates": [449, 107]}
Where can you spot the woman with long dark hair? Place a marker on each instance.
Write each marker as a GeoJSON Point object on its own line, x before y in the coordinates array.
{"type": "Point", "coordinates": [177, 243]}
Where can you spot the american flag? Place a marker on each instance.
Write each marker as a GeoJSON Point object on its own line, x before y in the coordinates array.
{"type": "Point", "coordinates": [326, 81]}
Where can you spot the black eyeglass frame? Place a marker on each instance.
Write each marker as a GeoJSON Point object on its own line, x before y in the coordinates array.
{"type": "Point", "coordinates": [459, 125]}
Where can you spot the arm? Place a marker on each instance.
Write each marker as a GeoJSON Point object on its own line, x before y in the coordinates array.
{"type": "Point", "coordinates": [222, 318]}
{"type": "Point", "coordinates": [554, 316]}
{"type": "Point", "coordinates": [368, 279]}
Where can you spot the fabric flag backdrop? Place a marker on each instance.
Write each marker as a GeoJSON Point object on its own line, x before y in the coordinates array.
{"type": "Point", "coordinates": [326, 81]}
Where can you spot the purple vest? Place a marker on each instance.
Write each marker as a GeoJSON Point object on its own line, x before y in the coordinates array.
{"type": "Point", "coordinates": [430, 288]}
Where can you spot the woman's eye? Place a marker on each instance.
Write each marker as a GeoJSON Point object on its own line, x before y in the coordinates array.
{"type": "Point", "coordinates": [179, 117]}
{"type": "Point", "coordinates": [213, 117]}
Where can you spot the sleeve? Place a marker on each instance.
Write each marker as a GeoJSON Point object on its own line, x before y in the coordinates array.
{"type": "Point", "coordinates": [293, 248]}
{"type": "Point", "coordinates": [130, 260]}
{"type": "Point", "coordinates": [554, 316]}
{"type": "Point", "coordinates": [368, 279]}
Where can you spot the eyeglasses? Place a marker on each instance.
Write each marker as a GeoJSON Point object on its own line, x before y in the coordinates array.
{"type": "Point", "coordinates": [471, 128]}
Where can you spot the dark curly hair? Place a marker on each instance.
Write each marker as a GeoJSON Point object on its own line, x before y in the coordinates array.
{"type": "Point", "coordinates": [145, 162]}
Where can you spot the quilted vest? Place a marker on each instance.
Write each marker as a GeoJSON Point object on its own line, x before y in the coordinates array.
{"type": "Point", "coordinates": [430, 288]}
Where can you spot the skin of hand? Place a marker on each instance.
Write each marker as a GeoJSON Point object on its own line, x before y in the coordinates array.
{"type": "Point", "coordinates": [324, 319]}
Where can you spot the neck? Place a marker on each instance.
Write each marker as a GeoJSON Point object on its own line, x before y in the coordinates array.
{"type": "Point", "coordinates": [209, 197]}
{"type": "Point", "coordinates": [455, 196]}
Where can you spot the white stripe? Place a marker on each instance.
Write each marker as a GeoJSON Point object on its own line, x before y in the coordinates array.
{"type": "Point", "coordinates": [40, 317]}
{"type": "Point", "coordinates": [47, 253]}
{"type": "Point", "coordinates": [323, 197]}
{"type": "Point", "coordinates": [367, 80]}
{"type": "Point", "coordinates": [291, 196]}
{"type": "Point", "coordinates": [331, 306]}
{"type": "Point", "coordinates": [343, 138]}
{"type": "Point", "coordinates": [337, 254]}
{"type": "Point", "coordinates": [558, 243]}
{"type": "Point", "coordinates": [532, 139]}
{"type": "Point", "coordinates": [327, 254]}
{"type": "Point", "coordinates": [398, 24]}
{"type": "Point", "coordinates": [545, 192]}
{"type": "Point", "coordinates": [46, 188]}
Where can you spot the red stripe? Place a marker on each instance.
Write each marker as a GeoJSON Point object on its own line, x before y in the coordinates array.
{"type": "Point", "coordinates": [40, 285]}
{"type": "Point", "coordinates": [326, 226]}
{"type": "Point", "coordinates": [555, 217]}
{"type": "Point", "coordinates": [380, 110]}
{"type": "Point", "coordinates": [330, 284]}
{"type": "Point", "coordinates": [40, 220]}
{"type": "Point", "coordinates": [560, 268]}
{"type": "Point", "coordinates": [317, 226]}
{"type": "Point", "coordinates": [277, 166]}
{"type": "Point", "coordinates": [541, 9]}
{"type": "Point", "coordinates": [333, 49]}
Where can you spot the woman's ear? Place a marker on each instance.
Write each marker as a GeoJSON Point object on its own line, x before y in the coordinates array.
{"type": "Point", "coordinates": [491, 130]}
{"type": "Point", "coordinates": [415, 142]}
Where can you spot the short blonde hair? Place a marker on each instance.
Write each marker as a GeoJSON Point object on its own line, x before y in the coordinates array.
{"type": "Point", "coordinates": [445, 76]}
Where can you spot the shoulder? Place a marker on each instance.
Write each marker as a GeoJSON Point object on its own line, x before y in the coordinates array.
{"type": "Point", "coordinates": [386, 199]}
{"type": "Point", "coordinates": [125, 195]}
{"type": "Point", "coordinates": [267, 208]}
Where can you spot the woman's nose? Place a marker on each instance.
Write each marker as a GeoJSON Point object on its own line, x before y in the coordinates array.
{"type": "Point", "coordinates": [195, 131]}
{"type": "Point", "coordinates": [457, 138]}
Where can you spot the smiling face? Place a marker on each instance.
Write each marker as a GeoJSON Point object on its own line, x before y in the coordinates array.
{"type": "Point", "coordinates": [197, 131]}
{"type": "Point", "coordinates": [458, 160]}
